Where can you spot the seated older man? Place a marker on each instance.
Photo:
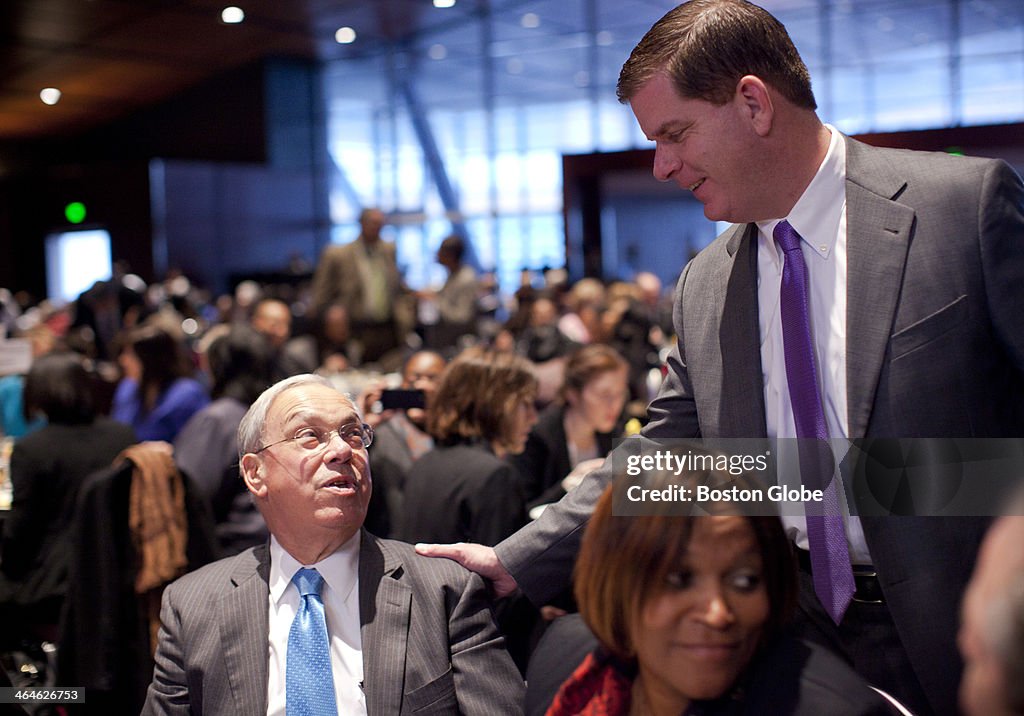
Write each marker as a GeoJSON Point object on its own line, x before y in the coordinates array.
{"type": "Point", "coordinates": [326, 618]}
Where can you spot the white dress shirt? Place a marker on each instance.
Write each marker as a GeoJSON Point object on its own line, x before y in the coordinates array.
{"type": "Point", "coordinates": [340, 595]}
{"type": "Point", "coordinates": [819, 216]}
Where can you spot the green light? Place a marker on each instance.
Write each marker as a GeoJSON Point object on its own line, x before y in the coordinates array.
{"type": "Point", "coordinates": [75, 212]}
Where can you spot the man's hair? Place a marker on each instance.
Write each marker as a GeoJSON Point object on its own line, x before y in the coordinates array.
{"type": "Point", "coordinates": [706, 46]}
{"type": "Point", "coordinates": [250, 430]}
{"type": "Point", "coordinates": [425, 353]}
{"type": "Point", "coordinates": [624, 560]}
{"type": "Point", "coordinates": [478, 396]}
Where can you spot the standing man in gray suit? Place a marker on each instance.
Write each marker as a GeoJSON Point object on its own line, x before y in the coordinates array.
{"type": "Point", "coordinates": [325, 618]}
{"type": "Point", "coordinates": [915, 277]}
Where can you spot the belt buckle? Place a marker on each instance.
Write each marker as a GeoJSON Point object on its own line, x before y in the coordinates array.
{"type": "Point", "coordinates": [867, 589]}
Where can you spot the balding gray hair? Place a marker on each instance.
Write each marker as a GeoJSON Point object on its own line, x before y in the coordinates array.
{"type": "Point", "coordinates": [250, 430]}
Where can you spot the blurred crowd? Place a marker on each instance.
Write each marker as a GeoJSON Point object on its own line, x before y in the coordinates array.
{"type": "Point", "coordinates": [507, 402]}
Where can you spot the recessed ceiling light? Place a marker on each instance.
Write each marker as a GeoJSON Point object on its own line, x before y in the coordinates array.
{"type": "Point", "coordinates": [50, 95]}
{"type": "Point", "coordinates": [444, 3]}
{"type": "Point", "coordinates": [232, 15]}
{"type": "Point", "coordinates": [530, 20]}
{"type": "Point", "coordinates": [345, 36]}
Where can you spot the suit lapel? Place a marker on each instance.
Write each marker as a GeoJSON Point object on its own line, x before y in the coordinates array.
{"type": "Point", "coordinates": [244, 620]}
{"type": "Point", "coordinates": [384, 611]}
{"type": "Point", "coordinates": [878, 231]}
{"type": "Point", "coordinates": [742, 386]}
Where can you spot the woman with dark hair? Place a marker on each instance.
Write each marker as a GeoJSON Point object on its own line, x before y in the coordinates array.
{"type": "Point", "coordinates": [689, 608]}
{"type": "Point", "coordinates": [241, 364]}
{"type": "Point", "coordinates": [577, 430]}
{"type": "Point", "coordinates": [47, 470]}
{"type": "Point", "coordinates": [462, 490]}
{"type": "Point", "coordinates": [158, 394]}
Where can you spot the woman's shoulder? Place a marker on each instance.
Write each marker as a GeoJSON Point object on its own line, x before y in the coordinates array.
{"type": "Point", "coordinates": [186, 390]}
{"type": "Point", "coordinates": [464, 454]}
{"type": "Point", "coordinates": [187, 385]}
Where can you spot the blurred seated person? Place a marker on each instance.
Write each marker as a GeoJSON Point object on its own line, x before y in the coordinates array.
{"type": "Point", "coordinates": [400, 439]}
{"type": "Point", "coordinates": [630, 329]}
{"type": "Point", "coordinates": [541, 340]}
{"type": "Point", "coordinates": [689, 613]}
{"type": "Point", "coordinates": [656, 305]}
{"type": "Point", "coordinates": [47, 468]}
{"type": "Point", "coordinates": [13, 421]}
{"type": "Point", "coordinates": [992, 624]}
{"type": "Point", "coordinates": [206, 449]}
{"type": "Point", "coordinates": [584, 304]}
{"type": "Point", "coordinates": [326, 618]}
{"type": "Point", "coordinates": [157, 394]}
{"type": "Point", "coordinates": [546, 346]}
{"type": "Point", "coordinates": [579, 427]}
{"type": "Point", "coordinates": [330, 346]}
{"type": "Point", "coordinates": [463, 490]}
{"type": "Point", "coordinates": [273, 318]}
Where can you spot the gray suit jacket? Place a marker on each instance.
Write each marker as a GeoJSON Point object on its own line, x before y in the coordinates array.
{"type": "Point", "coordinates": [430, 645]}
{"type": "Point", "coordinates": [934, 347]}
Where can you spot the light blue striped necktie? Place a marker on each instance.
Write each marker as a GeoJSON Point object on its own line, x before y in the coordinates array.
{"type": "Point", "coordinates": [309, 682]}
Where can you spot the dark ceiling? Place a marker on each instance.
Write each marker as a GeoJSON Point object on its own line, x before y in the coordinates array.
{"type": "Point", "coordinates": [110, 57]}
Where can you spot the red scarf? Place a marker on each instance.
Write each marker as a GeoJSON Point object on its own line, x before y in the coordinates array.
{"type": "Point", "coordinates": [598, 687]}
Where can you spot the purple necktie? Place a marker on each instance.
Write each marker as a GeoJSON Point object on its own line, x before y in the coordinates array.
{"type": "Point", "coordinates": [830, 556]}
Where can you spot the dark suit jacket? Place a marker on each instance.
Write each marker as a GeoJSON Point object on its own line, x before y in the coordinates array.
{"type": "Point", "coordinates": [429, 642]}
{"type": "Point", "coordinates": [390, 462]}
{"type": "Point", "coordinates": [934, 348]}
{"type": "Point", "coordinates": [48, 469]}
{"type": "Point", "coordinates": [462, 493]}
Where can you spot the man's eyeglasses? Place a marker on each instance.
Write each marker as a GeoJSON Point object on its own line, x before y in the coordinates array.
{"type": "Point", "coordinates": [313, 440]}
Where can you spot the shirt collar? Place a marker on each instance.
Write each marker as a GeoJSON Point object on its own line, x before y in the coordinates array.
{"type": "Point", "coordinates": [817, 212]}
{"type": "Point", "coordinates": [340, 569]}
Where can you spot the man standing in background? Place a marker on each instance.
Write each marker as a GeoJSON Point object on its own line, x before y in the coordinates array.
{"type": "Point", "coordinates": [363, 276]}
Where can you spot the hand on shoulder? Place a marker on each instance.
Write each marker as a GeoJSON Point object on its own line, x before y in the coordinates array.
{"type": "Point", "coordinates": [476, 558]}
